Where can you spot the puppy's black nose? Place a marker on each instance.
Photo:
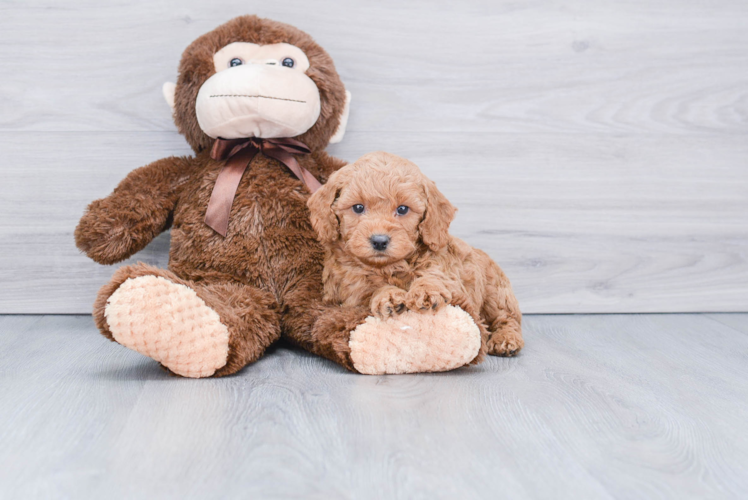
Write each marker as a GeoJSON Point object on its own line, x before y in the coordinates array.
{"type": "Point", "coordinates": [379, 241]}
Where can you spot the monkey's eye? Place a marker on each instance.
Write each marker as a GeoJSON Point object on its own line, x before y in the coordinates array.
{"type": "Point", "coordinates": [402, 210]}
{"type": "Point", "coordinates": [359, 208]}
{"type": "Point", "coordinates": [288, 62]}
{"type": "Point", "coordinates": [235, 62]}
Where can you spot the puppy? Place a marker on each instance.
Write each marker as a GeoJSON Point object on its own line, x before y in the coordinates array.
{"type": "Point", "coordinates": [385, 229]}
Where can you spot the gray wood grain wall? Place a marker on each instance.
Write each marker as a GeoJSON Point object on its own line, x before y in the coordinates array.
{"type": "Point", "coordinates": [597, 150]}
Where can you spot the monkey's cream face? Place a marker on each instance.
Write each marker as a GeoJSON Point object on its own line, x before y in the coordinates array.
{"type": "Point", "coordinates": [258, 91]}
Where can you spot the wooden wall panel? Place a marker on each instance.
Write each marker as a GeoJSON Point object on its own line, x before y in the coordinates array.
{"type": "Point", "coordinates": [597, 151]}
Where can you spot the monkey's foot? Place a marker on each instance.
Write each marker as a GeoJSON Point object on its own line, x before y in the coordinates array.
{"type": "Point", "coordinates": [168, 322]}
{"type": "Point", "coordinates": [414, 342]}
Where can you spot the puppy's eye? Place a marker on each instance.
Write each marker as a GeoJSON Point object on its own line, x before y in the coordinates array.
{"type": "Point", "coordinates": [287, 62]}
{"type": "Point", "coordinates": [359, 209]}
{"type": "Point", "coordinates": [235, 62]}
{"type": "Point", "coordinates": [402, 210]}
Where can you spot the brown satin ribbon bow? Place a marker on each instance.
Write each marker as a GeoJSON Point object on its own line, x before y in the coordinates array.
{"type": "Point", "coordinates": [238, 153]}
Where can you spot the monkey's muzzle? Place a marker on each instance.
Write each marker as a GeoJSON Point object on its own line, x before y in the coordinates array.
{"type": "Point", "coordinates": [255, 100]}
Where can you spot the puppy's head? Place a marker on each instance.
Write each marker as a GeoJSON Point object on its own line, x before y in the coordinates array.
{"type": "Point", "coordinates": [380, 209]}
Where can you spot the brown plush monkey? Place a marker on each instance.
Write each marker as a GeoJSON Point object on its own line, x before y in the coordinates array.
{"type": "Point", "coordinates": [258, 101]}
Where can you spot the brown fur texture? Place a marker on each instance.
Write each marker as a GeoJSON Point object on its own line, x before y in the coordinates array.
{"type": "Point", "coordinates": [423, 267]}
{"type": "Point", "coordinates": [264, 278]}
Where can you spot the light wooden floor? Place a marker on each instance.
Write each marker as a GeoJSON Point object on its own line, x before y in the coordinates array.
{"type": "Point", "coordinates": [629, 406]}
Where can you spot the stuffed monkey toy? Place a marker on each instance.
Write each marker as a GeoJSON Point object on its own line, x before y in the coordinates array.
{"type": "Point", "coordinates": [258, 101]}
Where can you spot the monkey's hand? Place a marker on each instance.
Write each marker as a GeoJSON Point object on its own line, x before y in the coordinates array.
{"type": "Point", "coordinates": [388, 301]}
{"type": "Point", "coordinates": [110, 232]}
{"type": "Point", "coordinates": [114, 228]}
{"type": "Point", "coordinates": [427, 295]}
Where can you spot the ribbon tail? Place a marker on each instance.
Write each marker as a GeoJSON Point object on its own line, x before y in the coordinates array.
{"type": "Point", "coordinates": [300, 172]}
{"type": "Point", "coordinates": [224, 191]}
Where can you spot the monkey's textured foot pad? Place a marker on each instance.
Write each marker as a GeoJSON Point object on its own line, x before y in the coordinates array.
{"type": "Point", "coordinates": [169, 323]}
{"type": "Point", "coordinates": [415, 342]}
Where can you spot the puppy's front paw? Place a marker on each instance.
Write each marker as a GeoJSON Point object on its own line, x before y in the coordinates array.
{"type": "Point", "coordinates": [505, 344]}
{"type": "Point", "coordinates": [388, 301]}
{"type": "Point", "coordinates": [427, 297]}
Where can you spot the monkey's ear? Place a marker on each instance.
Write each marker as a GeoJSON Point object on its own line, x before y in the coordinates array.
{"type": "Point", "coordinates": [169, 90]}
{"type": "Point", "coordinates": [323, 218]}
{"type": "Point", "coordinates": [434, 227]}
{"type": "Point", "coordinates": [340, 131]}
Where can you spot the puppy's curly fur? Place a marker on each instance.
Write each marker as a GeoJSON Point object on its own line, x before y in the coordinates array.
{"type": "Point", "coordinates": [385, 229]}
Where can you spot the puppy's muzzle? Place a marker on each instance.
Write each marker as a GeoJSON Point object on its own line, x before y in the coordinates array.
{"type": "Point", "coordinates": [379, 242]}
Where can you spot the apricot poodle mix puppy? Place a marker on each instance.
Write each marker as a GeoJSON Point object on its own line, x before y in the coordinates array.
{"type": "Point", "coordinates": [385, 228]}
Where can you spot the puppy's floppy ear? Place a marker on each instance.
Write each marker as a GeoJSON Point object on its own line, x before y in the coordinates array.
{"type": "Point", "coordinates": [324, 220]}
{"type": "Point", "coordinates": [434, 227]}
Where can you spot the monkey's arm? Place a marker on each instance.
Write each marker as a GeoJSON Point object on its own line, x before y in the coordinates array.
{"type": "Point", "coordinates": [114, 228]}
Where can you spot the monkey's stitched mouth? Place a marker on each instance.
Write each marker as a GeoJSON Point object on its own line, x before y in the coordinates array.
{"type": "Point", "coordinates": [258, 96]}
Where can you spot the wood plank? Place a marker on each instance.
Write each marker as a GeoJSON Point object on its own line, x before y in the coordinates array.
{"type": "Point", "coordinates": [598, 406]}
{"type": "Point", "coordinates": [580, 224]}
{"type": "Point", "coordinates": [63, 393]}
{"type": "Point", "coordinates": [735, 321]}
{"type": "Point", "coordinates": [613, 134]}
{"type": "Point", "coordinates": [482, 66]}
